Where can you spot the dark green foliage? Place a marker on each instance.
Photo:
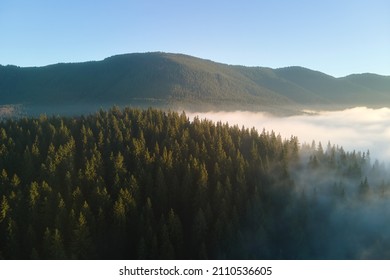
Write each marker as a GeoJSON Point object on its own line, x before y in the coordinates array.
{"type": "Point", "coordinates": [180, 81]}
{"type": "Point", "coordinates": [132, 184]}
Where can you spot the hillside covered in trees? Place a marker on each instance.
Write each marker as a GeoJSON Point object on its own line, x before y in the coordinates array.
{"type": "Point", "coordinates": [147, 184]}
{"type": "Point", "coordinates": [179, 81]}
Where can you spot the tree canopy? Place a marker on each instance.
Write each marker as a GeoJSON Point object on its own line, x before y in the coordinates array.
{"type": "Point", "coordinates": [148, 184]}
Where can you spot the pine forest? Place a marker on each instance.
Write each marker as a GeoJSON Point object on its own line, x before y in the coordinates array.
{"type": "Point", "coordinates": [150, 184]}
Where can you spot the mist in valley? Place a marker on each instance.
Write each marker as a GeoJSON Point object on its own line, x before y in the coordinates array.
{"type": "Point", "coordinates": [358, 128]}
{"type": "Point", "coordinates": [340, 192]}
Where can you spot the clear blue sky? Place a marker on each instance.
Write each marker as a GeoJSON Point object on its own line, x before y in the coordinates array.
{"type": "Point", "coordinates": [337, 37]}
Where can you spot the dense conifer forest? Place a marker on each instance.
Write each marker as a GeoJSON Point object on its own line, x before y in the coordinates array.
{"type": "Point", "coordinates": [178, 82]}
{"type": "Point", "coordinates": [148, 184]}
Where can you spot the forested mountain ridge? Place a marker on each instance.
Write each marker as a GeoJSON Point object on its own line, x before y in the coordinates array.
{"type": "Point", "coordinates": [148, 184]}
{"type": "Point", "coordinates": [181, 81]}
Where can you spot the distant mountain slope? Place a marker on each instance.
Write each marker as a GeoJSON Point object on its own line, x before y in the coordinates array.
{"type": "Point", "coordinates": [175, 80]}
{"type": "Point", "coordinates": [360, 90]}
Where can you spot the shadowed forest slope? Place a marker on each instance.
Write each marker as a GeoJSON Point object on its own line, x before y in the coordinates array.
{"type": "Point", "coordinates": [181, 81]}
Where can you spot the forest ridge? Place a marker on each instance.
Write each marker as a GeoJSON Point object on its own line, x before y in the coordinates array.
{"type": "Point", "coordinates": [180, 81]}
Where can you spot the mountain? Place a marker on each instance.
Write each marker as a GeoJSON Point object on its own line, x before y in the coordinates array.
{"type": "Point", "coordinates": [182, 81]}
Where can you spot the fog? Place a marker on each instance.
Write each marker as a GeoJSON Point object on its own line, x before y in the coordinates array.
{"type": "Point", "coordinates": [347, 219]}
{"type": "Point", "coordinates": [359, 128]}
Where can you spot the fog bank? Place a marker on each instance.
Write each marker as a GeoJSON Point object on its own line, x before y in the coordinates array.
{"type": "Point", "coordinates": [359, 128]}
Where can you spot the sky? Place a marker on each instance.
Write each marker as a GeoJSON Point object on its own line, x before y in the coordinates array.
{"type": "Point", "coordinates": [337, 37]}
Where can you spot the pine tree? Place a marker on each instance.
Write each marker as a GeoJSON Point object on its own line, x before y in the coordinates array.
{"type": "Point", "coordinates": [82, 246]}
{"type": "Point", "coordinates": [4, 209]}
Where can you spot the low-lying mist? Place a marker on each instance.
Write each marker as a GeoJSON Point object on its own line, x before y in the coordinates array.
{"type": "Point", "coordinates": [340, 202]}
{"type": "Point", "coordinates": [359, 128]}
